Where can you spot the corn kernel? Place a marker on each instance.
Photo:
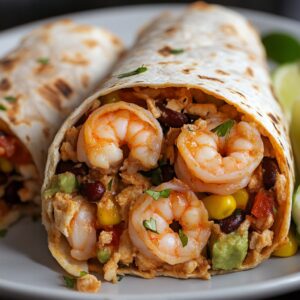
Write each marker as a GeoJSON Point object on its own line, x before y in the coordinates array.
{"type": "Point", "coordinates": [241, 197]}
{"type": "Point", "coordinates": [5, 165]}
{"type": "Point", "coordinates": [289, 248]}
{"type": "Point", "coordinates": [219, 207]}
{"type": "Point", "coordinates": [108, 215]}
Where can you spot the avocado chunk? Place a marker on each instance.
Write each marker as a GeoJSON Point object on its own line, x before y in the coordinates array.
{"type": "Point", "coordinates": [230, 250]}
{"type": "Point", "coordinates": [65, 182]}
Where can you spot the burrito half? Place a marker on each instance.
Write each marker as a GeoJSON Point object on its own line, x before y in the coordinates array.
{"type": "Point", "coordinates": [41, 82]}
{"type": "Point", "coordinates": [181, 164]}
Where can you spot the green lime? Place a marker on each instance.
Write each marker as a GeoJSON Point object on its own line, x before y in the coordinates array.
{"type": "Point", "coordinates": [286, 82]}
{"type": "Point", "coordinates": [281, 47]}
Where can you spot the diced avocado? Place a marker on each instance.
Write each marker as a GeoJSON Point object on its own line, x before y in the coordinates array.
{"type": "Point", "coordinates": [230, 250]}
{"type": "Point", "coordinates": [65, 182]}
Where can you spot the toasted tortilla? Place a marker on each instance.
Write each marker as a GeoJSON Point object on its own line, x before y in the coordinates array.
{"type": "Point", "coordinates": [221, 55]}
{"type": "Point", "coordinates": [48, 75]}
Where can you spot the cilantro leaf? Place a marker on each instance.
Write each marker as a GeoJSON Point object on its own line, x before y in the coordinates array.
{"type": "Point", "coordinates": [158, 194]}
{"type": "Point", "coordinates": [10, 99]}
{"type": "Point", "coordinates": [183, 238]}
{"type": "Point", "coordinates": [155, 175]}
{"type": "Point", "coordinates": [43, 60]}
{"type": "Point", "coordinates": [150, 225]}
{"type": "Point", "coordinates": [83, 273]}
{"type": "Point", "coordinates": [138, 70]}
{"type": "Point", "coordinates": [69, 281]}
{"type": "Point", "coordinates": [177, 51]}
{"type": "Point", "coordinates": [224, 128]}
{"type": "Point", "coordinates": [110, 184]}
{"type": "Point", "coordinates": [2, 107]}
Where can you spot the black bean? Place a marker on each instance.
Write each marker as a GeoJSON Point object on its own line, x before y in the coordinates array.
{"type": "Point", "coordinates": [270, 170]}
{"type": "Point", "coordinates": [167, 172]}
{"type": "Point", "coordinates": [171, 118]}
{"type": "Point", "coordinates": [3, 178]}
{"type": "Point", "coordinates": [11, 192]}
{"type": "Point", "coordinates": [232, 222]}
{"type": "Point", "coordinates": [175, 226]}
{"type": "Point", "coordinates": [192, 118]}
{"type": "Point", "coordinates": [93, 191]}
{"type": "Point", "coordinates": [75, 168]}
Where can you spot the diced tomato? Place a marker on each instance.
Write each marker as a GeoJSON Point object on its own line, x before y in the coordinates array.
{"type": "Point", "coordinates": [21, 156]}
{"type": "Point", "coordinates": [263, 204]}
{"type": "Point", "coordinates": [7, 146]}
{"type": "Point", "coordinates": [116, 234]}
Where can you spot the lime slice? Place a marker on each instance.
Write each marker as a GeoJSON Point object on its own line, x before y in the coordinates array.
{"type": "Point", "coordinates": [286, 82]}
{"type": "Point", "coordinates": [296, 209]}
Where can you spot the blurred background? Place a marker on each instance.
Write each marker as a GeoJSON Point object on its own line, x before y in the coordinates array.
{"type": "Point", "coordinates": [17, 12]}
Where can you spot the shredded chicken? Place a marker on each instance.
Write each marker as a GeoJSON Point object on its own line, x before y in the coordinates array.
{"type": "Point", "coordinates": [255, 183]}
{"type": "Point", "coordinates": [259, 241]}
{"type": "Point", "coordinates": [125, 249]}
{"type": "Point", "coordinates": [126, 197]}
{"type": "Point", "coordinates": [68, 147]}
{"type": "Point", "coordinates": [88, 284]}
{"type": "Point", "coordinates": [65, 206]}
{"type": "Point", "coordinates": [29, 191]}
{"type": "Point", "coordinates": [135, 179]}
{"type": "Point", "coordinates": [111, 267]}
{"type": "Point", "coordinates": [201, 110]}
{"type": "Point", "coordinates": [280, 188]}
{"type": "Point", "coordinates": [105, 238]}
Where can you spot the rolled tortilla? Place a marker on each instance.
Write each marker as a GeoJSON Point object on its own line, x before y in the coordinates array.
{"type": "Point", "coordinates": [41, 82]}
{"type": "Point", "coordinates": [208, 56]}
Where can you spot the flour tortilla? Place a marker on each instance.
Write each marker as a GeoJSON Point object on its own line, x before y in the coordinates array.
{"type": "Point", "coordinates": [49, 74]}
{"type": "Point", "coordinates": [223, 57]}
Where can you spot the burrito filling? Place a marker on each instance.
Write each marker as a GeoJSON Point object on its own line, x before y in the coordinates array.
{"type": "Point", "coordinates": [18, 177]}
{"type": "Point", "coordinates": [166, 181]}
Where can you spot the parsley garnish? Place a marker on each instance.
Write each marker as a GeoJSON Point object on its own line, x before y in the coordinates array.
{"type": "Point", "coordinates": [110, 184]}
{"type": "Point", "coordinates": [176, 51]}
{"type": "Point", "coordinates": [183, 237]}
{"type": "Point", "coordinates": [10, 99]}
{"type": "Point", "coordinates": [43, 60]}
{"type": "Point", "coordinates": [224, 128]}
{"type": "Point", "coordinates": [155, 175]}
{"type": "Point", "coordinates": [83, 273]}
{"type": "Point", "coordinates": [139, 70]}
{"type": "Point", "coordinates": [2, 107]}
{"type": "Point", "coordinates": [160, 194]}
{"type": "Point", "coordinates": [70, 281]}
{"type": "Point", "coordinates": [150, 225]}
{"type": "Point", "coordinates": [3, 233]}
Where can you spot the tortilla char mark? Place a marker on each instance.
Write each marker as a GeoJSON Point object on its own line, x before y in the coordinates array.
{"type": "Point", "coordinates": [51, 95]}
{"type": "Point", "coordinates": [63, 87]}
{"type": "Point", "coordinates": [210, 78]}
{"type": "Point", "coordinates": [5, 84]}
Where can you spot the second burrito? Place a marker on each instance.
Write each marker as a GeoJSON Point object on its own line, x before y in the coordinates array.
{"type": "Point", "coordinates": [181, 164]}
{"type": "Point", "coordinates": [41, 82]}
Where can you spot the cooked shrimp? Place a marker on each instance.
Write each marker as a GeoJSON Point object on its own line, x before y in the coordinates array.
{"type": "Point", "coordinates": [208, 163]}
{"type": "Point", "coordinates": [114, 125]}
{"type": "Point", "coordinates": [182, 206]}
{"type": "Point", "coordinates": [82, 233]}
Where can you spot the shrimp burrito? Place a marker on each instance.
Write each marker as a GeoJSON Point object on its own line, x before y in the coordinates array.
{"type": "Point", "coordinates": [180, 165]}
{"type": "Point", "coordinates": [41, 82]}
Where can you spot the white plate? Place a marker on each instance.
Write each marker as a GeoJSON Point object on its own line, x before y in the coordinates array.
{"type": "Point", "coordinates": [27, 270]}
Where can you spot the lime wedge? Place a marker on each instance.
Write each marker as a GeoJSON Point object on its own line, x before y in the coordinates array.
{"type": "Point", "coordinates": [286, 82]}
{"type": "Point", "coordinates": [282, 47]}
